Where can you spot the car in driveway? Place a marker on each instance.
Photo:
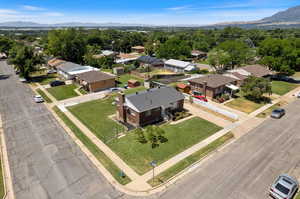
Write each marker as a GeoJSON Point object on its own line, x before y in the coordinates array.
{"type": "Point", "coordinates": [200, 97]}
{"type": "Point", "coordinates": [278, 113]}
{"type": "Point", "coordinates": [38, 99]}
{"type": "Point", "coordinates": [115, 89]}
{"type": "Point", "coordinates": [285, 187]}
{"type": "Point", "coordinates": [57, 83]}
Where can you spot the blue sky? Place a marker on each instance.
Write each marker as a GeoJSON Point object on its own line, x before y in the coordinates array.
{"type": "Point", "coordinates": [160, 12]}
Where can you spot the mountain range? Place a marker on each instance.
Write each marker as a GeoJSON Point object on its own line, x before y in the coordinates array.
{"type": "Point", "coordinates": [284, 19]}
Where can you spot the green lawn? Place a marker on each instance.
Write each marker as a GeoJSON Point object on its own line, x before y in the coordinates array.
{"type": "Point", "coordinates": [63, 92]}
{"type": "Point", "coordinates": [180, 166]}
{"type": "Point", "coordinates": [44, 79]}
{"type": "Point", "coordinates": [43, 94]}
{"type": "Point", "coordinates": [244, 105]}
{"type": "Point", "coordinates": [94, 115]}
{"type": "Point", "coordinates": [297, 196]}
{"type": "Point", "coordinates": [134, 90]}
{"type": "Point", "coordinates": [268, 112]}
{"type": "Point", "coordinates": [281, 87]}
{"type": "Point", "coordinates": [124, 79]}
{"type": "Point", "coordinates": [101, 157]}
{"type": "Point", "coordinates": [180, 137]}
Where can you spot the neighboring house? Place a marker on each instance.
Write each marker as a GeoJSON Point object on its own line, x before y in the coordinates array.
{"type": "Point", "coordinates": [150, 106]}
{"type": "Point", "coordinates": [53, 63]}
{"type": "Point", "coordinates": [69, 70]}
{"type": "Point", "coordinates": [94, 81]}
{"type": "Point", "coordinates": [118, 70]}
{"type": "Point", "coordinates": [179, 66]}
{"type": "Point", "coordinates": [198, 54]}
{"type": "Point", "coordinates": [213, 85]}
{"type": "Point", "coordinates": [239, 77]}
{"type": "Point", "coordinates": [184, 88]}
{"type": "Point", "coordinates": [132, 83]}
{"type": "Point", "coordinates": [124, 58]}
{"type": "Point", "coordinates": [150, 61]}
{"type": "Point", "coordinates": [105, 53]}
{"type": "Point", "coordinates": [138, 49]}
{"type": "Point", "coordinates": [253, 70]}
{"type": "Point", "coordinates": [3, 56]}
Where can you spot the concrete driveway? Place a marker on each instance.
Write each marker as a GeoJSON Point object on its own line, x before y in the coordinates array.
{"type": "Point", "coordinates": [44, 161]}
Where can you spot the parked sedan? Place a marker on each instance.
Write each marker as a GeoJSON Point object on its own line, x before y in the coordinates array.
{"type": "Point", "coordinates": [57, 83]}
{"type": "Point", "coordinates": [200, 97]}
{"type": "Point", "coordinates": [285, 187]}
{"type": "Point", "coordinates": [38, 99]}
{"type": "Point", "coordinates": [278, 113]}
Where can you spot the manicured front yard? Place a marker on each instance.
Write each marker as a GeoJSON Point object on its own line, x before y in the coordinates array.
{"type": "Point", "coordinates": [95, 115]}
{"type": "Point", "coordinates": [281, 87]}
{"type": "Point", "coordinates": [268, 112]}
{"type": "Point", "coordinates": [101, 157]}
{"type": "Point", "coordinates": [188, 161]}
{"type": "Point", "coordinates": [63, 92]}
{"type": "Point", "coordinates": [124, 79]}
{"type": "Point", "coordinates": [244, 105]}
{"type": "Point", "coordinates": [180, 137]}
{"type": "Point", "coordinates": [43, 79]}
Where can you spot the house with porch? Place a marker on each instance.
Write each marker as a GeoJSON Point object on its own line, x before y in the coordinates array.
{"type": "Point", "coordinates": [213, 85]}
{"type": "Point", "coordinates": [149, 106]}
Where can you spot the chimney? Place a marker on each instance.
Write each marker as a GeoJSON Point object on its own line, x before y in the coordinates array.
{"type": "Point", "coordinates": [121, 97]}
{"type": "Point", "coordinates": [204, 88]}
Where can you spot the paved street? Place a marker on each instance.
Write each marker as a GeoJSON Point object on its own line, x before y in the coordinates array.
{"type": "Point", "coordinates": [45, 162]}
{"type": "Point", "coordinates": [246, 169]}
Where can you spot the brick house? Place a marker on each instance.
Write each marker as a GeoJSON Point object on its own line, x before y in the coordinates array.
{"type": "Point", "coordinates": [150, 106]}
{"type": "Point", "coordinates": [213, 85]}
{"type": "Point", "coordinates": [94, 81]}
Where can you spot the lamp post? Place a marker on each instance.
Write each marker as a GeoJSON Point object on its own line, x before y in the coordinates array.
{"type": "Point", "coordinates": [153, 164]}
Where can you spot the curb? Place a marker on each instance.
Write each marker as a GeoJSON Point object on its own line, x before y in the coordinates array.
{"type": "Point", "coordinates": [6, 174]}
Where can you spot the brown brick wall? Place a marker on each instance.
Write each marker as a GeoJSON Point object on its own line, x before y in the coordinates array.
{"type": "Point", "coordinates": [105, 84]}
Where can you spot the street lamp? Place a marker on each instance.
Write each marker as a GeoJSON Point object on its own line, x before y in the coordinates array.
{"type": "Point", "coordinates": [153, 164]}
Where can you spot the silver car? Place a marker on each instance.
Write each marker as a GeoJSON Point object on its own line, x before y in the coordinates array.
{"type": "Point", "coordinates": [285, 187]}
{"type": "Point", "coordinates": [278, 113]}
{"type": "Point", "coordinates": [38, 99]}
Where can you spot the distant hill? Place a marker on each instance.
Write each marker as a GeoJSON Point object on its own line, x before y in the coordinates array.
{"type": "Point", "coordinates": [289, 18]}
{"type": "Point", "coordinates": [289, 15]}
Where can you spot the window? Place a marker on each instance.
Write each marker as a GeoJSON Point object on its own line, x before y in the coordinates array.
{"type": "Point", "coordinates": [148, 113]}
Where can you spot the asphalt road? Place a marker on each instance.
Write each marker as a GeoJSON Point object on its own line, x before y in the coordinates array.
{"type": "Point", "coordinates": [45, 162]}
{"type": "Point", "coordinates": [247, 168]}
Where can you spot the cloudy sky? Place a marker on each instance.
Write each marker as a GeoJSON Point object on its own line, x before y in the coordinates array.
{"type": "Point", "coordinates": [159, 12]}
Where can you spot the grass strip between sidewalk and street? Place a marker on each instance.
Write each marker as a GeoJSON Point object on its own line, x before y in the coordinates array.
{"type": "Point", "coordinates": [188, 161]}
{"type": "Point", "coordinates": [101, 157]}
{"type": "Point", "coordinates": [44, 95]}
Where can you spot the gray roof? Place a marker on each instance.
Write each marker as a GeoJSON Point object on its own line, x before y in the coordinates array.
{"type": "Point", "coordinates": [150, 60]}
{"type": "Point", "coordinates": [154, 98]}
{"type": "Point", "coordinates": [94, 76]}
{"type": "Point", "coordinates": [68, 66]}
{"type": "Point", "coordinates": [214, 80]}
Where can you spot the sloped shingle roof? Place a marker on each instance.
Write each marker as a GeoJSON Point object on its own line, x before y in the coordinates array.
{"type": "Point", "coordinates": [154, 98]}
{"type": "Point", "coordinates": [257, 70]}
{"type": "Point", "coordinates": [150, 60]}
{"type": "Point", "coordinates": [94, 76]}
{"type": "Point", "coordinates": [214, 81]}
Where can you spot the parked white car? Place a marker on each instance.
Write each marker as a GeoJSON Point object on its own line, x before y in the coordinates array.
{"type": "Point", "coordinates": [285, 187]}
{"type": "Point", "coordinates": [38, 99]}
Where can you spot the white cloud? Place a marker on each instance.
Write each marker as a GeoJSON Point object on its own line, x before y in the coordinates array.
{"type": "Point", "coordinates": [7, 11]}
{"type": "Point", "coordinates": [32, 8]}
{"type": "Point", "coordinates": [53, 14]}
{"type": "Point", "coordinates": [178, 8]}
